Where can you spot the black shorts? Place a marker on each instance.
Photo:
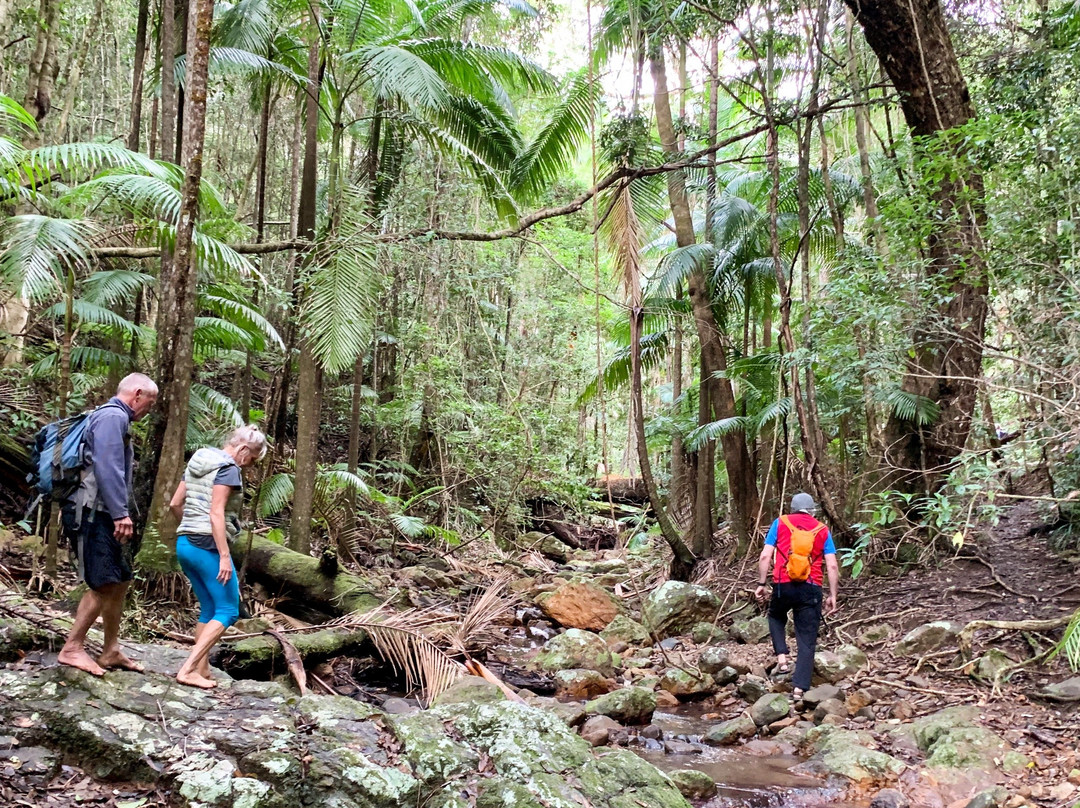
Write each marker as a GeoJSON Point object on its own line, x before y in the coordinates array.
{"type": "Point", "coordinates": [102, 559]}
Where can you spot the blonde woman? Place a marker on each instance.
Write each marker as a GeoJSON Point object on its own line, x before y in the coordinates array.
{"type": "Point", "coordinates": [207, 502]}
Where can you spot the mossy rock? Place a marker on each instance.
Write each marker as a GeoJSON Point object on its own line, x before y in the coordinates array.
{"type": "Point", "coordinates": [674, 608]}
{"type": "Point", "coordinates": [624, 629]}
{"type": "Point", "coordinates": [575, 649]}
{"type": "Point", "coordinates": [692, 784]}
{"type": "Point", "coordinates": [967, 748]}
{"type": "Point", "coordinates": [927, 729]}
{"type": "Point", "coordinates": [630, 705]}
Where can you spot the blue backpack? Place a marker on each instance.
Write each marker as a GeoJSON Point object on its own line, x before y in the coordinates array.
{"type": "Point", "coordinates": [58, 457]}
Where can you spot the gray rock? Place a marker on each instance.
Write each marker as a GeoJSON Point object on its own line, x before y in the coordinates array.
{"type": "Point", "coordinates": [1064, 691]}
{"type": "Point", "coordinates": [471, 690]}
{"type": "Point", "coordinates": [674, 608]}
{"type": "Point", "coordinates": [652, 731]}
{"type": "Point", "coordinates": [725, 676]}
{"type": "Point", "coordinates": [670, 644]}
{"type": "Point", "coordinates": [631, 705]}
{"type": "Point", "coordinates": [832, 666]}
{"type": "Point", "coordinates": [681, 748]}
{"type": "Point", "coordinates": [623, 629]}
{"type": "Point", "coordinates": [713, 659]}
{"type": "Point", "coordinates": [730, 732]}
{"type": "Point", "coordinates": [991, 798]}
{"type": "Point", "coordinates": [597, 730]}
{"type": "Point", "coordinates": [815, 695]}
{"type": "Point", "coordinates": [570, 712]}
{"type": "Point", "coordinates": [889, 798]}
{"type": "Point", "coordinates": [830, 707]}
{"type": "Point", "coordinates": [874, 633]}
{"type": "Point", "coordinates": [928, 637]}
{"type": "Point", "coordinates": [753, 688]}
{"type": "Point", "coordinates": [693, 785]}
{"type": "Point", "coordinates": [575, 649]}
{"type": "Point", "coordinates": [751, 631]}
{"type": "Point", "coordinates": [769, 708]}
{"type": "Point", "coordinates": [396, 706]}
{"type": "Point", "coordinates": [990, 665]}
{"type": "Point", "coordinates": [705, 633]}
{"type": "Point", "coordinates": [685, 685]}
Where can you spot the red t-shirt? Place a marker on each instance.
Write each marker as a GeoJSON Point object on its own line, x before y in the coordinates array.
{"type": "Point", "coordinates": [780, 537]}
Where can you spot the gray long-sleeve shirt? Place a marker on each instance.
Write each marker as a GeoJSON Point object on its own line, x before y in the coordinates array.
{"type": "Point", "coordinates": [110, 457]}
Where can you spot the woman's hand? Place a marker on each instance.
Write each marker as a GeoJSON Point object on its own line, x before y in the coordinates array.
{"type": "Point", "coordinates": [225, 570]}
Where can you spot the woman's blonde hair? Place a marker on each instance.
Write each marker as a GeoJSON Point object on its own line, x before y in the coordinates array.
{"type": "Point", "coordinates": [251, 437]}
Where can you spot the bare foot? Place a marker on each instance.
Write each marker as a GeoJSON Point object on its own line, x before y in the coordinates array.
{"type": "Point", "coordinates": [116, 659]}
{"type": "Point", "coordinates": [195, 680]}
{"type": "Point", "coordinates": [81, 660]}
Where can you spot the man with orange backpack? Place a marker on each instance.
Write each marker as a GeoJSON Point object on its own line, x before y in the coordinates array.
{"type": "Point", "coordinates": [802, 543]}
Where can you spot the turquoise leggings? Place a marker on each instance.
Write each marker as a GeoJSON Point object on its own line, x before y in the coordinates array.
{"type": "Point", "coordinates": [217, 601]}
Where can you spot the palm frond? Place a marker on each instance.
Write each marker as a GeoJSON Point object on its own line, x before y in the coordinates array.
{"type": "Point", "coordinates": [229, 306]}
{"type": "Point", "coordinates": [37, 250]}
{"type": "Point", "coordinates": [88, 312]}
{"type": "Point", "coordinates": [617, 371]}
{"type": "Point", "coordinates": [1070, 644]}
{"type": "Point", "coordinates": [714, 430]}
{"type": "Point", "coordinates": [472, 67]}
{"type": "Point", "coordinates": [275, 494]}
{"type": "Point", "coordinates": [398, 73]}
{"type": "Point", "coordinates": [676, 266]}
{"type": "Point", "coordinates": [912, 407]}
{"type": "Point", "coordinates": [482, 613]}
{"type": "Point", "coordinates": [108, 287]}
{"type": "Point", "coordinates": [412, 654]}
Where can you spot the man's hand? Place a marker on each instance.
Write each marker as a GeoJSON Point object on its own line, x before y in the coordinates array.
{"type": "Point", "coordinates": [761, 593]}
{"type": "Point", "coordinates": [123, 529]}
{"type": "Point", "coordinates": [830, 605]}
{"type": "Point", "coordinates": [224, 570]}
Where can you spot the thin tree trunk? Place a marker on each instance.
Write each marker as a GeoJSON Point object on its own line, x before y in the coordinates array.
{"type": "Point", "coordinates": [42, 69]}
{"type": "Point", "coordinates": [167, 140]}
{"type": "Point", "coordinates": [176, 314]}
{"type": "Point", "coordinates": [912, 41]}
{"type": "Point", "coordinates": [310, 378]}
{"type": "Point", "coordinates": [135, 129]}
{"type": "Point", "coordinates": [861, 128]}
{"type": "Point", "coordinates": [75, 72]}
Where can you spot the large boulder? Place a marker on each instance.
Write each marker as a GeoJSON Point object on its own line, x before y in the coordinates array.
{"type": "Point", "coordinates": [928, 637]}
{"type": "Point", "coordinates": [674, 608]}
{"type": "Point", "coordinates": [769, 708]}
{"type": "Point", "coordinates": [631, 705]}
{"type": "Point", "coordinates": [579, 604]}
{"type": "Point", "coordinates": [751, 631]}
{"type": "Point", "coordinates": [845, 661]}
{"type": "Point", "coordinates": [849, 754]}
{"type": "Point", "coordinates": [575, 649]}
{"type": "Point", "coordinates": [316, 750]}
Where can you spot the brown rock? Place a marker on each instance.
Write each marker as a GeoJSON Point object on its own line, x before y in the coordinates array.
{"type": "Point", "coordinates": [902, 710]}
{"type": "Point", "coordinates": [665, 699]}
{"type": "Point", "coordinates": [581, 685]}
{"type": "Point", "coordinates": [598, 729]}
{"type": "Point", "coordinates": [858, 699]}
{"type": "Point", "coordinates": [580, 605]}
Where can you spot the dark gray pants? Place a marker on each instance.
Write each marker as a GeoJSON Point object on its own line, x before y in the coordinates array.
{"type": "Point", "coordinates": [803, 600]}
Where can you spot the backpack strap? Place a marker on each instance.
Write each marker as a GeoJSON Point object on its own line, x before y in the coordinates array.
{"type": "Point", "coordinates": [786, 522]}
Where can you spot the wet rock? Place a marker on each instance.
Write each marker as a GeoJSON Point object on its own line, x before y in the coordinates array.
{"type": "Point", "coordinates": [631, 705]}
{"type": "Point", "coordinates": [1064, 691]}
{"type": "Point", "coordinates": [753, 688]}
{"type": "Point", "coordinates": [471, 690]}
{"type": "Point", "coordinates": [751, 631]}
{"type": "Point", "coordinates": [692, 784]}
{"type": "Point", "coordinates": [769, 708]}
{"type": "Point", "coordinates": [832, 666]}
{"type": "Point", "coordinates": [713, 659]}
{"type": "Point", "coordinates": [990, 665]}
{"type": "Point", "coordinates": [579, 604]}
{"type": "Point", "coordinates": [815, 695]}
{"type": "Point", "coordinates": [725, 676]}
{"type": "Point", "coordinates": [708, 633]}
{"type": "Point", "coordinates": [889, 798]}
{"type": "Point", "coordinates": [652, 731]}
{"type": "Point", "coordinates": [581, 685]}
{"type": "Point", "coordinates": [674, 608]}
{"type": "Point", "coordinates": [575, 649]}
{"type": "Point", "coordinates": [830, 707]}
{"type": "Point", "coordinates": [928, 637]}
{"type": "Point", "coordinates": [684, 684]}
{"type": "Point", "coordinates": [730, 732]}
{"type": "Point", "coordinates": [597, 730]}
{"type": "Point", "coordinates": [623, 629]}
{"type": "Point", "coordinates": [681, 748]}
{"type": "Point", "coordinates": [571, 713]}
{"type": "Point", "coordinates": [848, 754]}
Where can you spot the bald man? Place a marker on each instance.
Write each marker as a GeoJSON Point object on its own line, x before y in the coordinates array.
{"type": "Point", "coordinates": [99, 524]}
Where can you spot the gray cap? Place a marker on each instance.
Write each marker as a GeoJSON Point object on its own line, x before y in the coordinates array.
{"type": "Point", "coordinates": [803, 503]}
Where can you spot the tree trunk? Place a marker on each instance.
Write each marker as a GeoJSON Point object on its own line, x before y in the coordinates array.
{"type": "Point", "coordinates": [176, 313]}
{"type": "Point", "coordinates": [167, 141]}
{"type": "Point", "coordinates": [911, 40]}
{"type": "Point", "coordinates": [742, 486]}
{"type": "Point", "coordinates": [135, 129]}
{"type": "Point", "coordinates": [75, 71]}
{"type": "Point", "coordinates": [309, 380]}
{"type": "Point", "coordinates": [41, 71]}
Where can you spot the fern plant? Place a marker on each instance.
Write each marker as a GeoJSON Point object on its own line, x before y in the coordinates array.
{"type": "Point", "coordinates": [1069, 646]}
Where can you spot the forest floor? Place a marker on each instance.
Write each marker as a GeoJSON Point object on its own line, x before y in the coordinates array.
{"type": "Point", "coordinates": [1004, 573]}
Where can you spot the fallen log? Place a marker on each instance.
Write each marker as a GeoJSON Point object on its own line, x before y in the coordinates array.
{"type": "Point", "coordinates": [256, 657]}
{"type": "Point", "coordinates": [286, 572]}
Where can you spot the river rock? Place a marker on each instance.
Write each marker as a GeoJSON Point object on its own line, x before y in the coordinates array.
{"type": "Point", "coordinates": [623, 629]}
{"type": "Point", "coordinates": [830, 707]}
{"type": "Point", "coordinates": [597, 730]}
{"type": "Point", "coordinates": [547, 545]}
{"type": "Point", "coordinates": [685, 685]}
{"type": "Point", "coordinates": [967, 748]}
{"type": "Point", "coordinates": [423, 577]}
{"type": "Point", "coordinates": [713, 659]}
{"type": "Point", "coordinates": [693, 785]}
{"type": "Point", "coordinates": [571, 712]}
{"type": "Point", "coordinates": [769, 708]}
{"type": "Point", "coordinates": [674, 608]}
{"type": "Point", "coordinates": [1064, 691]}
{"type": "Point", "coordinates": [751, 631]}
{"type": "Point", "coordinates": [631, 705]}
{"type": "Point", "coordinates": [929, 728]}
{"type": "Point", "coordinates": [990, 798]}
{"type": "Point", "coordinates": [581, 685]}
{"type": "Point", "coordinates": [320, 750]}
{"type": "Point", "coordinates": [730, 732]}
{"type": "Point", "coordinates": [928, 637]}
{"type": "Point", "coordinates": [707, 633]}
{"type": "Point", "coordinates": [575, 649]}
{"type": "Point", "coordinates": [753, 688]}
{"type": "Point", "coordinates": [725, 676]}
{"type": "Point", "coordinates": [848, 754]}
{"type": "Point", "coordinates": [832, 666]}
{"type": "Point", "coordinates": [889, 798]}
{"type": "Point", "coordinates": [579, 604]}
{"type": "Point", "coordinates": [471, 690]}
{"type": "Point", "coordinates": [815, 695]}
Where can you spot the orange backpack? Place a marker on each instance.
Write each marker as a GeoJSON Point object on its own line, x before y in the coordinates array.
{"type": "Point", "coordinates": [799, 560]}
